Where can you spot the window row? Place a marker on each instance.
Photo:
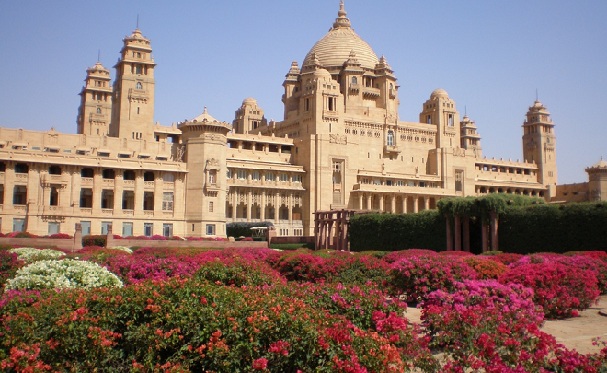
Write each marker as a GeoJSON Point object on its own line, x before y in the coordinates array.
{"type": "Point", "coordinates": [106, 173]}
{"type": "Point", "coordinates": [397, 183]}
{"type": "Point", "coordinates": [242, 174]}
{"type": "Point", "coordinates": [128, 200]}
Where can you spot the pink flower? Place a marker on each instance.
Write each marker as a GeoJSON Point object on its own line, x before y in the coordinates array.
{"type": "Point", "coordinates": [260, 364]}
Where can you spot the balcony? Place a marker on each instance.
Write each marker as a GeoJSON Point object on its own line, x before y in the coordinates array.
{"type": "Point", "coordinates": [371, 92]}
{"type": "Point", "coordinates": [391, 149]}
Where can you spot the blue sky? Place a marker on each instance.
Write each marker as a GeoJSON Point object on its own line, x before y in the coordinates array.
{"type": "Point", "coordinates": [491, 56]}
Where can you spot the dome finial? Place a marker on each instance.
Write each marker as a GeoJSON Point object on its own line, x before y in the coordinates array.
{"type": "Point", "coordinates": [341, 20]}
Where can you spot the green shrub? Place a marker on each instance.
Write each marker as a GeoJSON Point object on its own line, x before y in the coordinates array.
{"type": "Point", "coordinates": [98, 240]}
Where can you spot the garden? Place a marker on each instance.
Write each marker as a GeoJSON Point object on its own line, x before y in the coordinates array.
{"type": "Point", "coordinates": [247, 310]}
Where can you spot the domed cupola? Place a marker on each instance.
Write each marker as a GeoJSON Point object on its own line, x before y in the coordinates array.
{"type": "Point", "coordinates": [334, 49]}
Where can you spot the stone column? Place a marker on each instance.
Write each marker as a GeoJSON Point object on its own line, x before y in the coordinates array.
{"type": "Point", "coordinates": [381, 203]}
{"type": "Point", "coordinates": [77, 237]}
{"type": "Point", "coordinates": [494, 227]}
{"type": "Point", "coordinates": [360, 201]}
{"type": "Point", "coordinates": [466, 228]}
{"type": "Point", "coordinates": [369, 201]}
{"type": "Point", "coordinates": [405, 204]}
{"type": "Point", "coordinates": [393, 204]}
{"type": "Point", "coordinates": [458, 233]}
{"type": "Point", "coordinates": [263, 206]}
{"type": "Point", "coordinates": [415, 204]}
{"type": "Point", "coordinates": [426, 203]}
{"type": "Point", "coordinates": [449, 234]}
{"type": "Point", "coordinates": [248, 206]}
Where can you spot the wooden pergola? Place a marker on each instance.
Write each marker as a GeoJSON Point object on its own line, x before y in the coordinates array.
{"type": "Point", "coordinates": [331, 229]}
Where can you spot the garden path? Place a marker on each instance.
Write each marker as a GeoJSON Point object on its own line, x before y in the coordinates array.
{"type": "Point", "coordinates": [575, 333]}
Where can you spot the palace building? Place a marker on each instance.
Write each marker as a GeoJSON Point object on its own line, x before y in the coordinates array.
{"type": "Point", "coordinates": [340, 145]}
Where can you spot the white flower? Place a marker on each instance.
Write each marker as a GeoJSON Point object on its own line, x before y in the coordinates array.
{"type": "Point", "coordinates": [122, 248]}
{"type": "Point", "coordinates": [30, 254]}
{"type": "Point", "coordinates": [63, 274]}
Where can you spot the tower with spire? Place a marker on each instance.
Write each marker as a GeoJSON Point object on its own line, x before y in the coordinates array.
{"type": "Point", "coordinates": [539, 145]}
{"type": "Point", "coordinates": [95, 111]}
{"type": "Point", "coordinates": [133, 102]}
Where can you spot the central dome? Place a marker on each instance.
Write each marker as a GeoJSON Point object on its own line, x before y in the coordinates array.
{"type": "Point", "coordinates": [336, 46]}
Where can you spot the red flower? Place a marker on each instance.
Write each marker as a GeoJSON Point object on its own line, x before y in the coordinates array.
{"type": "Point", "coordinates": [260, 364]}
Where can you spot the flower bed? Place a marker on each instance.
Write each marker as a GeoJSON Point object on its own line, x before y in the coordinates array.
{"type": "Point", "coordinates": [263, 310]}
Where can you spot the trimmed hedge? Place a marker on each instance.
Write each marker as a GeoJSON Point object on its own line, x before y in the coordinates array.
{"type": "Point", "coordinates": [526, 228]}
{"type": "Point", "coordinates": [389, 232]}
{"type": "Point", "coordinates": [554, 228]}
{"type": "Point", "coordinates": [244, 229]}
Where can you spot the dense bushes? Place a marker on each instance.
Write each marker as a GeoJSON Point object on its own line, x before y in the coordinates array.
{"type": "Point", "coordinates": [389, 232]}
{"type": "Point", "coordinates": [562, 228]}
{"type": "Point", "coordinates": [234, 310]}
{"type": "Point", "coordinates": [525, 226]}
{"type": "Point", "coordinates": [243, 229]}
{"type": "Point", "coordinates": [559, 288]}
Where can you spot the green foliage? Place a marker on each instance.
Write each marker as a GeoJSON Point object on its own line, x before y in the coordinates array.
{"type": "Point", "coordinates": [482, 207]}
{"type": "Point", "coordinates": [243, 229]}
{"type": "Point", "coordinates": [554, 228]}
{"type": "Point", "coordinates": [291, 246]}
{"type": "Point", "coordinates": [389, 232]}
{"type": "Point", "coordinates": [98, 240]}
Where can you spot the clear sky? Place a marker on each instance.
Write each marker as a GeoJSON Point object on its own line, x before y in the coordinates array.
{"type": "Point", "coordinates": [491, 56]}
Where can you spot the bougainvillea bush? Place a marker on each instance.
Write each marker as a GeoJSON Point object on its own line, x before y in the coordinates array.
{"type": "Point", "coordinates": [417, 276]}
{"type": "Point", "coordinates": [560, 289]}
{"type": "Point", "coordinates": [246, 310]}
{"type": "Point", "coordinates": [487, 326]}
{"type": "Point", "coordinates": [186, 325]}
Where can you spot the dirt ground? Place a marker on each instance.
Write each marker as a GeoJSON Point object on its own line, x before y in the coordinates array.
{"type": "Point", "coordinates": [575, 333]}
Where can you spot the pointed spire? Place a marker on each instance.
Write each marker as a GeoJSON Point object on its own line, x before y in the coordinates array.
{"type": "Point", "coordinates": [137, 27]}
{"type": "Point", "coordinates": [98, 55]}
{"type": "Point", "coordinates": [341, 21]}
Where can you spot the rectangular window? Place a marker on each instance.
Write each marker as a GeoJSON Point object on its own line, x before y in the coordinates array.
{"type": "Point", "coordinates": [269, 176]}
{"type": "Point", "coordinates": [210, 206]}
{"type": "Point", "coordinates": [210, 229]}
{"type": "Point", "coordinates": [148, 229]}
{"type": "Point", "coordinates": [168, 177]}
{"type": "Point", "coordinates": [105, 226]}
{"type": "Point", "coordinates": [53, 228]}
{"type": "Point", "coordinates": [241, 174]}
{"type": "Point", "coordinates": [127, 229]}
{"type": "Point", "coordinates": [297, 178]}
{"type": "Point", "coordinates": [229, 173]}
{"type": "Point", "coordinates": [167, 230]}
{"type": "Point", "coordinates": [459, 180]}
{"type": "Point", "coordinates": [86, 227]}
{"type": "Point", "coordinates": [167, 201]}
{"type": "Point", "coordinates": [18, 225]}
{"type": "Point", "coordinates": [255, 175]}
{"type": "Point", "coordinates": [19, 195]}
{"type": "Point", "coordinates": [284, 177]}
{"type": "Point", "coordinates": [213, 177]}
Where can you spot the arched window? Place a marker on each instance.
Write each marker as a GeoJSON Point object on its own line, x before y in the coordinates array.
{"type": "Point", "coordinates": [98, 110]}
{"type": "Point", "coordinates": [148, 176]}
{"type": "Point", "coordinates": [354, 80]}
{"type": "Point", "coordinates": [21, 168]}
{"type": "Point", "coordinates": [128, 175]}
{"type": "Point", "coordinates": [87, 172]}
{"type": "Point", "coordinates": [139, 85]}
{"type": "Point", "coordinates": [390, 138]}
